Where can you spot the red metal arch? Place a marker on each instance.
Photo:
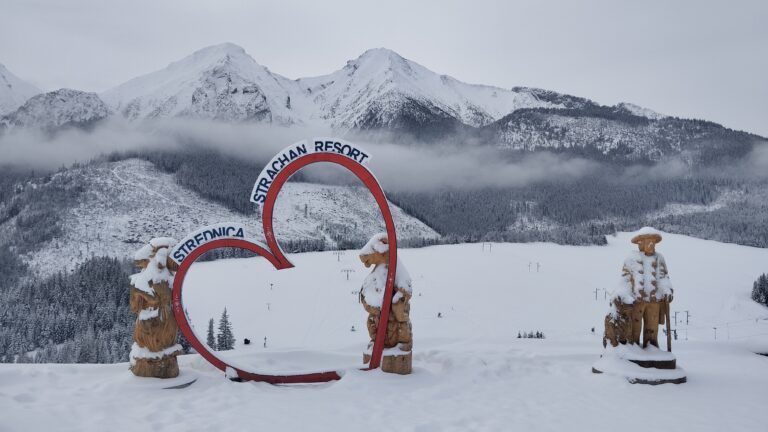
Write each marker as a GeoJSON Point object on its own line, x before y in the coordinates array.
{"type": "Point", "coordinates": [378, 193]}
{"type": "Point", "coordinates": [186, 329]}
{"type": "Point", "coordinates": [274, 255]}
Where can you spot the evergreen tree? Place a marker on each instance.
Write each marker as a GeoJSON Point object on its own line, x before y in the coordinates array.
{"type": "Point", "coordinates": [760, 290]}
{"type": "Point", "coordinates": [225, 339]}
{"type": "Point", "coordinates": [210, 339]}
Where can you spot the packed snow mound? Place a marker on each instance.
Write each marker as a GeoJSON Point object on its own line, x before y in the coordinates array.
{"type": "Point", "coordinates": [56, 109]}
{"type": "Point", "coordinates": [13, 91]}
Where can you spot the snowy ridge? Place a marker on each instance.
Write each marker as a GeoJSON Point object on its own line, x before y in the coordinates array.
{"type": "Point", "coordinates": [60, 108]}
{"type": "Point", "coordinates": [347, 97]}
{"type": "Point", "coordinates": [13, 91]}
{"type": "Point", "coordinates": [223, 82]}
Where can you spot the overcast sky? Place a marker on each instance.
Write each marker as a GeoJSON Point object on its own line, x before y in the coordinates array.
{"type": "Point", "coordinates": [700, 59]}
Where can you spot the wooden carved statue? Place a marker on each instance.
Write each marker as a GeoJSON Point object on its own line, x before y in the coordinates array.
{"type": "Point", "coordinates": [642, 302]}
{"type": "Point", "coordinates": [399, 340]}
{"type": "Point", "coordinates": [154, 348]}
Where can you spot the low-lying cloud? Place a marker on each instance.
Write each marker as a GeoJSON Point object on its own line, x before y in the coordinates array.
{"type": "Point", "coordinates": [406, 165]}
{"type": "Point", "coordinates": [402, 166]}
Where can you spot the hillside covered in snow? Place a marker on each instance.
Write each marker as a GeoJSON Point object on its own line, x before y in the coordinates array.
{"type": "Point", "coordinates": [113, 206]}
{"type": "Point", "coordinates": [471, 371]}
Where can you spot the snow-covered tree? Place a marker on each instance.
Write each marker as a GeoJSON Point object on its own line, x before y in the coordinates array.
{"type": "Point", "coordinates": [225, 339]}
{"type": "Point", "coordinates": [210, 339]}
{"type": "Point", "coordinates": [760, 290]}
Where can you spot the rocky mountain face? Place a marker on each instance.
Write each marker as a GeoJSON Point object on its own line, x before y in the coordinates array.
{"type": "Point", "coordinates": [13, 91]}
{"type": "Point", "coordinates": [58, 109]}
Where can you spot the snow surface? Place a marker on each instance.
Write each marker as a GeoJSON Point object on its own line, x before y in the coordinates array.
{"type": "Point", "coordinates": [470, 370]}
{"type": "Point", "coordinates": [614, 364]}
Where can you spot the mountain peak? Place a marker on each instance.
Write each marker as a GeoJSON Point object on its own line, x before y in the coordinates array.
{"type": "Point", "coordinates": [381, 52]}
{"type": "Point", "coordinates": [59, 108]}
{"type": "Point", "coordinates": [220, 49]}
{"type": "Point", "coordinates": [214, 54]}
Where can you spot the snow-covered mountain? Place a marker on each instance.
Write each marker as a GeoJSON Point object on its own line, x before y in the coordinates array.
{"type": "Point", "coordinates": [56, 109]}
{"type": "Point", "coordinates": [382, 89]}
{"type": "Point", "coordinates": [121, 204]}
{"type": "Point", "coordinates": [619, 133]}
{"type": "Point", "coordinates": [220, 82]}
{"type": "Point", "coordinates": [379, 89]}
{"type": "Point", "coordinates": [13, 91]}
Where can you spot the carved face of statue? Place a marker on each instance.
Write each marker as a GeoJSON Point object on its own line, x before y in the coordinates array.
{"type": "Point", "coordinates": [647, 246]}
{"type": "Point", "coordinates": [375, 258]}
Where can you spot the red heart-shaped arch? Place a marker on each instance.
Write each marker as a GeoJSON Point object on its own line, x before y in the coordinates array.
{"type": "Point", "coordinates": [274, 254]}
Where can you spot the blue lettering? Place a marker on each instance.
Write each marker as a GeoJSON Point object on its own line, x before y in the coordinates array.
{"type": "Point", "coordinates": [178, 256]}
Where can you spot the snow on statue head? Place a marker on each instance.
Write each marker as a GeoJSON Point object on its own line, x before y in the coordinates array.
{"type": "Point", "coordinates": [646, 240]}
{"type": "Point", "coordinates": [399, 340]}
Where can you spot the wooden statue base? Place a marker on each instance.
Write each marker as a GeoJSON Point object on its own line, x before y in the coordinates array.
{"type": "Point", "coordinates": [164, 367]}
{"type": "Point", "coordinates": [657, 364]}
{"type": "Point", "coordinates": [400, 364]}
{"type": "Point", "coordinates": [640, 365]}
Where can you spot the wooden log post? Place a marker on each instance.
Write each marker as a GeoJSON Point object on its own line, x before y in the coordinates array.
{"type": "Point", "coordinates": [398, 344]}
{"type": "Point", "coordinates": [154, 349]}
